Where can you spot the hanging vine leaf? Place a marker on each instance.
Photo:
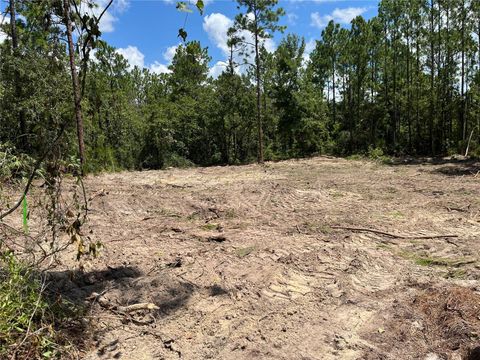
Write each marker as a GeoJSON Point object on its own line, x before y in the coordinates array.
{"type": "Point", "coordinates": [182, 34]}
{"type": "Point", "coordinates": [200, 6]}
{"type": "Point", "coordinates": [183, 6]}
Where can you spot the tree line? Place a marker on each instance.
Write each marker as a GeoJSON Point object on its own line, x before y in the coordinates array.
{"type": "Point", "coordinates": [406, 81]}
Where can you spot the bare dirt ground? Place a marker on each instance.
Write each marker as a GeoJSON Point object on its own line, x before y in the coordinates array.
{"type": "Point", "coordinates": [247, 262]}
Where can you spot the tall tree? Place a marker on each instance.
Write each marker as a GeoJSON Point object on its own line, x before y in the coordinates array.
{"type": "Point", "coordinates": [18, 86]}
{"type": "Point", "coordinates": [260, 20]}
{"type": "Point", "coordinates": [75, 83]}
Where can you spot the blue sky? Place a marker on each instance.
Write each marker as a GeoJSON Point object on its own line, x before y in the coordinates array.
{"type": "Point", "coordinates": [145, 31]}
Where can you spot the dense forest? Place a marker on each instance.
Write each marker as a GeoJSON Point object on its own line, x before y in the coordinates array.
{"type": "Point", "coordinates": [406, 82]}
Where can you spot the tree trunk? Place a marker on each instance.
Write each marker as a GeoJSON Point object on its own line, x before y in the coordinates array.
{"type": "Point", "coordinates": [463, 123]}
{"type": "Point", "coordinates": [417, 88]}
{"type": "Point", "coordinates": [259, 105]}
{"type": "Point", "coordinates": [409, 102]}
{"type": "Point", "coordinates": [16, 75]}
{"type": "Point", "coordinates": [333, 90]}
{"type": "Point", "coordinates": [432, 79]}
{"type": "Point", "coordinates": [75, 84]}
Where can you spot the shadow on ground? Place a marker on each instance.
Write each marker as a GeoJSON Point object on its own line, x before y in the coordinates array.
{"type": "Point", "coordinates": [454, 166]}
{"type": "Point", "coordinates": [121, 286]}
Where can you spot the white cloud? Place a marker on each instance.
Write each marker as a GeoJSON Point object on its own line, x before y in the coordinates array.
{"type": "Point", "coordinates": [342, 16]}
{"type": "Point", "coordinates": [136, 58]}
{"type": "Point", "coordinates": [159, 68]}
{"type": "Point", "coordinates": [309, 47]}
{"type": "Point", "coordinates": [217, 69]}
{"type": "Point", "coordinates": [170, 53]}
{"type": "Point", "coordinates": [320, 21]}
{"type": "Point", "coordinates": [107, 23]}
{"type": "Point", "coordinates": [3, 20]}
{"type": "Point", "coordinates": [292, 18]}
{"type": "Point", "coordinates": [216, 25]}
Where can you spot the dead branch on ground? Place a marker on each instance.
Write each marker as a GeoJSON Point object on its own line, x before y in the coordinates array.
{"type": "Point", "coordinates": [396, 236]}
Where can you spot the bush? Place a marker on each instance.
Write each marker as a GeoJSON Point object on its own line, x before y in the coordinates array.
{"type": "Point", "coordinates": [13, 165]}
{"type": "Point", "coordinates": [28, 318]}
{"type": "Point", "coordinates": [177, 161]}
{"type": "Point", "coordinates": [377, 154]}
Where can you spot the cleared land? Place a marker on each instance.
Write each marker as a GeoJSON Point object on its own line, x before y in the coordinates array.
{"type": "Point", "coordinates": [247, 262]}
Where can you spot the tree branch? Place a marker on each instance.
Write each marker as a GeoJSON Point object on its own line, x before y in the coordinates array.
{"type": "Point", "coordinates": [32, 175]}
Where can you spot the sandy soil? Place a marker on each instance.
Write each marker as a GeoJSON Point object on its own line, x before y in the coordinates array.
{"type": "Point", "coordinates": [246, 262]}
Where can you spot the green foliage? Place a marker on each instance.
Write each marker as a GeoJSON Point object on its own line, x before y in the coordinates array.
{"type": "Point", "coordinates": [377, 154]}
{"type": "Point", "coordinates": [13, 164]}
{"type": "Point", "coordinates": [28, 318]}
{"type": "Point", "coordinates": [371, 88]}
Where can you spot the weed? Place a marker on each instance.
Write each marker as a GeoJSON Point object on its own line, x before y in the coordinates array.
{"type": "Point", "coordinates": [230, 214]}
{"type": "Point", "coordinates": [28, 318]}
{"type": "Point", "coordinates": [436, 261]}
{"type": "Point", "coordinates": [210, 227]}
{"type": "Point", "coordinates": [397, 214]}
{"type": "Point", "coordinates": [242, 252]}
{"type": "Point", "coordinates": [456, 274]}
{"type": "Point", "coordinates": [325, 229]}
{"type": "Point", "coordinates": [355, 157]}
{"type": "Point", "coordinates": [336, 194]}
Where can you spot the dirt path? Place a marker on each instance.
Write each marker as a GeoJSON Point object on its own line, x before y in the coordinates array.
{"type": "Point", "coordinates": [243, 262]}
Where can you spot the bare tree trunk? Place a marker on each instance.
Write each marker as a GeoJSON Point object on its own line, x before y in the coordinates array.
{"type": "Point", "coordinates": [259, 105]}
{"type": "Point", "coordinates": [463, 123]}
{"type": "Point", "coordinates": [75, 84]}
{"type": "Point", "coordinates": [432, 79]}
{"type": "Point", "coordinates": [409, 85]}
{"type": "Point", "coordinates": [18, 88]}
{"type": "Point", "coordinates": [333, 88]}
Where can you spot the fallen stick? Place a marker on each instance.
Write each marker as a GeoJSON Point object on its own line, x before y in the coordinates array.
{"type": "Point", "coordinates": [397, 236]}
{"type": "Point", "coordinates": [104, 302]}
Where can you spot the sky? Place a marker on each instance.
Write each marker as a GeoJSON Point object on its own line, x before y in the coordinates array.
{"type": "Point", "coordinates": [145, 31]}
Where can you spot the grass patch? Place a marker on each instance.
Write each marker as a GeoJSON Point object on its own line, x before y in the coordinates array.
{"type": "Point", "coordinates": [230, 214]}
{"type": "Point", "coordinates": [193, 216]}
{"type": "Point", "coordinates": [325, 229]}
{"type": "Point", "coordinates": [437, 261]}
{"type": "Point", "coordinates": [242, 252]}
{"type": "Point", "coordinates": [336, 194]}
{"type": "Point", "coordinates": [32, 325]}
{"type": "Point", "coordinates": [397, 214]}
{"type": "Point", "coordinates": [355, 157]}
{"type": "Point", "coordinates": [429, 261]}
{"type": "Point", "coordinates": [456, 274]}
{"type": "Point", "coordinates": [384, 246]}
{"type": "Point", "coordinates": [210, 227]}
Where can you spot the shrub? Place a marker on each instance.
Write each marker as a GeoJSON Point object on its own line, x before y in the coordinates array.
{"type": "Point", "coordinates": [29, 319]}
{"type": "Point", "coordinates": [12, 164]}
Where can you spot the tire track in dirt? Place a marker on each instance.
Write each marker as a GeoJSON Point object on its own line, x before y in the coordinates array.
{"type": "Point", "coordinates": [281, 284]}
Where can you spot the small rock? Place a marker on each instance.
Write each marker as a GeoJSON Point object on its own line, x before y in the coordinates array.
{"type": "Point", "coordinates": [340, 342]}
{"type": "Point", "coordinates": [418, 325]}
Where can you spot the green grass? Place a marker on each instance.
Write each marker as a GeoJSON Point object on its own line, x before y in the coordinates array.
{"type": "Point", "coordinates": [242, 252]}
{"type": "Point", "coordinates": [437, 261]}
{"type": "Point", "coordinates": [230, 214]}
{"type": "Point", "coordinates": [210, 227]}
{"type": "Point", "coordinates": [29, 319]}
{"type": "Point", "coordinates": [429, 261]}
{"type": "Point", "coordinates": [397, 214]}
{"type": "Point", "coordinates": [337, 194]}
